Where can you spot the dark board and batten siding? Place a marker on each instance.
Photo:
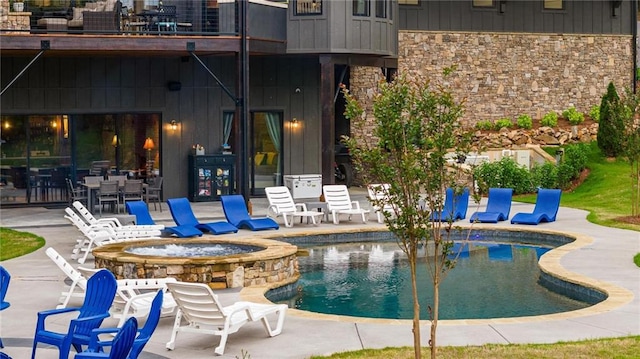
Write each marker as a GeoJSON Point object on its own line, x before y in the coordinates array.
{"type": "Point", "coordinates": [578, 17]}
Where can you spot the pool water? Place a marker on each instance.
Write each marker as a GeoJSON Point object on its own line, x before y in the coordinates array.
{"type": "Point", "coordinates": [193, 250]}
{"type": "Point", "coordinates": [490, 280]}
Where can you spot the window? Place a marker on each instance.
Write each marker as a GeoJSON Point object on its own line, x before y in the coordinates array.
{"type": "Point", "coordinates": [308, 7]}
{"type": "Point", "coordinates": [482, 3]}
{"type": "Point", "coordinates": [408, 2]}
{"type": "Point", "coordinates": [361, 7]}
{"type": "Point", "coordinates": [381, 8]}
{"type": "Point", "coordinates": [553, 5]}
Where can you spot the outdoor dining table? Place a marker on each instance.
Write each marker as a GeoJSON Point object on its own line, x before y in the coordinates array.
{"type": "Point", "coordinates": [92, 189]}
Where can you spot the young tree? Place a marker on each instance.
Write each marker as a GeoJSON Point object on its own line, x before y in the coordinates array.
{"type": "Point", "coordinates": [626, 111]}
{"type": "Point", "coordinates": [610, 128]}
{"type": "Point", "coordinates": [416, 128]}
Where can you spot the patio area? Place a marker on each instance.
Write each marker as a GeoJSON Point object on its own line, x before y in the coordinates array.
{"type": "Point", "coordinates": [601, 256]}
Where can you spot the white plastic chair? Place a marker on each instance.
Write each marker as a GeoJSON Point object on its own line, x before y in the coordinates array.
{"type": "Point", "coordinates": [134, 298]}
{"type": "Point", "coordinates": [78, 284]}
{"type": "Point", "coordinates": [379, 197]}
{"type": "Point", "coordinates": [339, 202]}
{"type": "Point", "coordinates": [203, 313]}
{"type": "Point", "coordinates": [281, 204]}
{"type": "Point", "coordinates": [113, 222]}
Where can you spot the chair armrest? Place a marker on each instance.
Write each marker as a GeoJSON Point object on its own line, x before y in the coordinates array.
{"type": "Point", "coordinates": [303, 207]}
{"type": "Point", "coordinates": [273, 209]}
{"type": "Point", "coordinates": [355, 204]}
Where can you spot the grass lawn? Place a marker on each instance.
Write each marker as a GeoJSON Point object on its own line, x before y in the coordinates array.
{"type": "Point", "coordinates": [15, 244]}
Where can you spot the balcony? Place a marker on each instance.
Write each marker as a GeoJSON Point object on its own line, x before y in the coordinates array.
{"type": "Point", "coordinates": [206, 26]}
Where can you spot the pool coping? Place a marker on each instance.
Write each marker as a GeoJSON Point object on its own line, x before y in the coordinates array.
{"type": "Point", "coordinates": [549, 263]}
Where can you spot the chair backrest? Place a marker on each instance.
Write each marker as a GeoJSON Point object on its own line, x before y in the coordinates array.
{"type": "Point", "coordinates": [500, 200]}
{"type": "Point", "coordinates": [93, 179]}
{"type": "Point", "coordinates": [121, 179]}
{"type": "Point", "coordinates": [235, 209]}
{"type": "Point", "coordinates": [548, 202]}
{"type": "Point", "coordinates": [155, 183]}
{"type": "Point", "coordinates": [108, 188]}
{"type": "Point", "coordinates": [84, 212]}
{"type": "Point", "coordinates": [5, 278]}
{"type": "Point", "coordinates": [66, 268]}
{"type": "Point", "coordinates": [132, 187]}
{"type": "Point", "coordinates": [149, 326]}
{"type": "Point", "coordinates": [181, 212]}
{"type": "Point", "coordinates": [337, 197]}
{"type": "Point", "coordinates": [140, 210]}
{"type": "Point", "coordinates": [123, 341]}
{"type": "Point", "coordinates": [461, 202]}
{"type": "Point", "coordinates": [101, 290]}
{"type": "Point", "coordinates": [280, 199]}
{"type": "Point", "coordinates": [99, 168]}
{"type": "Point", "coordinates": [197, 303]}
{"type": "Point", "coordinates": [84, 227]}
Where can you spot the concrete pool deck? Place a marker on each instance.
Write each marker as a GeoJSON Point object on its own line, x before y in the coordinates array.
{"type": "Point", "coordinates": [601, 257]}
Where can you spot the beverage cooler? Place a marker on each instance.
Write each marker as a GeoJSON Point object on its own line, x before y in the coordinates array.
{"type": "Point", "coordinates": [211, 176]}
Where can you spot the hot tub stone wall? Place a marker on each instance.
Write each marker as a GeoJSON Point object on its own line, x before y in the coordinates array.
{"type": "Point", "coordinates": [218, 276]}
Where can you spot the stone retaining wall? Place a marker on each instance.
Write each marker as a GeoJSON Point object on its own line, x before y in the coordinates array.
{"type": "Point", "coordinates": [13, 20]}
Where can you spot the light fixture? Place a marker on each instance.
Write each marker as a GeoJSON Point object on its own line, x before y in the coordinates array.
{"type": "Point", "coordinates": [149, 145]}
{"type": "Point", "coordinates": [174, 125]}
{"type": "Point", "coordinates": [294, 123]}
{"type": "Point", "coordinates": [115, 141]}
{"type": "Point", "coordinates": [7, 124]}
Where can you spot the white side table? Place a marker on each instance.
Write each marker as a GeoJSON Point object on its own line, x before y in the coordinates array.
{"type": "Point", "coordinates": [320, 207]}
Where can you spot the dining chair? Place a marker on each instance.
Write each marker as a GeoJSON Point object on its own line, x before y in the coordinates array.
{"type": "Point", "coordinates": [167, 19]}
{"type": "Point", "coordinates": [76, 193]}
{"type": "Point", "coordinates": [120, 178]}
{"type": "Point", "coordinates": [132, 191]}
{"type": "Point", "coordinates": [109, 193]}
{"type": "Point", "coordinates": [154, 192]}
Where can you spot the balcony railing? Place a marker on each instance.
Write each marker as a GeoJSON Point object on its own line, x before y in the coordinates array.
{"type": "Point", "coordinates": [177, 17]}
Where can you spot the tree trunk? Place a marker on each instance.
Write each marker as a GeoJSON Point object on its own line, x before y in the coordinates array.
{"type": "Point", "coordinates": [416, 310]}
{"type": "Point", "coordinates": [434, 320]}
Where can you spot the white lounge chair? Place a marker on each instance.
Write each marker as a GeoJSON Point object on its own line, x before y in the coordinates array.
{"type": "Point", "coordinates": [112, 221]}
{"type": "Point", "coordinates": [134, 298]}
{"type": "Point", "coordinates": [96, 236]}
{"type": "Point", "coordinates": [78, 284]}
{"type": "Point", "coordinates": [339, 202]}
{"type": "Point", "coordinates": [379, 197]}
{"type": "Point", "coordinates": [203, 313]}
{"type": "Point", "coordinates": [281, 204]}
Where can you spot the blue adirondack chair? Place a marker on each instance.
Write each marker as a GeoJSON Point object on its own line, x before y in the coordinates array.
{"type": "Point", "coordinates": [183, 216]}
{"type": "Point", "coordinates": [546, 209]}
{"type": "Point", "coordinates": [144, 333]}
{"type": "Point", "coordinates": [101, 289]}
{"type": "Point", "coordinates": [498, 206]}
{"type": "Point", "coordinates": [143, 217]}
{"type": "Point", "coordinates": [5, 278]}
{"type": "Point", "coordinates": [237, 214]}
{"type": "Point", "coordinates": [120, 346]}
{"type": "Point", "coordinates": [455, 206]}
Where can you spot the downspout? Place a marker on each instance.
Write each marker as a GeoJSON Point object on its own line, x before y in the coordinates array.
{"type": "Point", "coordinates": [634, 30]}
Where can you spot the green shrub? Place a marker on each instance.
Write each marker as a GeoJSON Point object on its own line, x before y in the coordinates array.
{"type": "Point", "coordinates": [572, 163]}
{"type": "Point", "coordinates": [550, 119]}
{"type": "Point", "coordinates": [611, 128]}
{"type": "Point", "coordinates": [506, 173]}
{"type": "Point", "coordinates": [574, 117]}
{"type": "Point", "coordinates": [545, 176]}
{"type": "Point", "coordinates": [503, 123]}
{"type": "Point", "coordinates": [594, 113]}
{"type": "Point", "coordinates": [484, 125]}
{"type": "Point", "coordinates": [525, 121]}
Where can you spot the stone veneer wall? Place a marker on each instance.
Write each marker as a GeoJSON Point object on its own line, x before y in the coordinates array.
{"type": "Point", "coordinates": [509, 74]}
{"type": "Point", "coordinates": [10, 20]}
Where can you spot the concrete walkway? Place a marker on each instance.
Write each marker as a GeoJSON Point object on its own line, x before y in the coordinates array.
{"type": "Point", "coordinates": [600, 257]}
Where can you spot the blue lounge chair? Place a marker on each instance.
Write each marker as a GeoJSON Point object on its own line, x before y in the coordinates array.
{"type": "Point", "coordinates": [101, 289]}
{"type": "Point", "coordinates": [183, 216]}
{"type": "Point", "coordinates": [237, 214]}
{"type": "Point", "coordinates": [546, 209]}
{"type": "Point", "coordinates": [455, 207]}
{"type": "Point", "coordinates": [143, 217]}
{"type": "Point", "coordinates": [498, 207]}
{"type": "Point", "coordinates": [5, 278]}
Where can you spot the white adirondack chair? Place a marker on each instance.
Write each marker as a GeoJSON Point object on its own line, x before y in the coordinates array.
{"type": "Point", "coordinates": [281, 204]}
{"type": "Point", "coordinates": [203, 313]}
{"type": "Point", "coordinates": [339, 202]}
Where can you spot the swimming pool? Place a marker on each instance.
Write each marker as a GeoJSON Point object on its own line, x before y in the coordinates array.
{"type": "Point", "coordinates": [372, 280]}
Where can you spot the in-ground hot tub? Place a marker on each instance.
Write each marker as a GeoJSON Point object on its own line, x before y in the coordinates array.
{"type": "Point", "coordinates": [218, 262]}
